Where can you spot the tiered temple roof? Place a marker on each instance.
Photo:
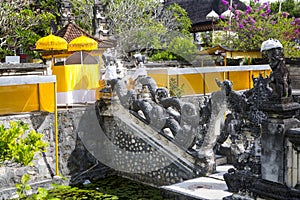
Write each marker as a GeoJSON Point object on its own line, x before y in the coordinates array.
{"type": "Point", "coordinates": [198, 9]}
{"type": "Point", "coordinates": [71, 31]}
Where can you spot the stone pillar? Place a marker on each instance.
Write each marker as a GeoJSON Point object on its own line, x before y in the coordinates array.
{"type": "Point", "coordinates": [292, 174]}
{"type": "Point", "coordinates": [101, 23]}
{"type": "Point", "coordinates": [280, 119]}
{"type": "Point", "coordinates": [65, 9]}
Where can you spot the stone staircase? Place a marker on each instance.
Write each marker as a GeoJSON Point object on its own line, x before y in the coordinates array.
{"type": "Point", "coordinates": [211, 187]}
{"type": "Point", "coordinates": [180, 157]}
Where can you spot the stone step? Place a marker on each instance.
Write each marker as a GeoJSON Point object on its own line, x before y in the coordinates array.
{"type": "Point", "coordinates": [220, 160]}
{"type": "Point", "coordinates": [131, 124]}
{"type": "Point", "coordinates": [212, 187]}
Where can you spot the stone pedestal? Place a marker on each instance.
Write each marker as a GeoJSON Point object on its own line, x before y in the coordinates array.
{"type": "Point", "coordinates": [279, 162]}
{"type": "Point", "coordinates": [292, 172]}
{"type": "Point", "coordinates": [280, 119]}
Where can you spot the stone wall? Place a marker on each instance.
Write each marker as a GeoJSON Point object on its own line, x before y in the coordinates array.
{"type": "Point", "coordinates": [295, 76]}
{"type": "Point", "coordinates": [44, 163]}
{"type": "Point", "coordinates": [75, 162]}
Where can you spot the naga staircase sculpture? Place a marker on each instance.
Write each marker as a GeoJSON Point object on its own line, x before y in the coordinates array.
{"type": "Point", "coordinates": [165, 124]}
{"type": "Point", "coordinates": [167, 139]}
{"type": "Point", "coordinates": [142, 119]}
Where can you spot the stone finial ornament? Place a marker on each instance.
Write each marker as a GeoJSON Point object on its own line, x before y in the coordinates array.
{"type": "Point", "coordinates": [270, 44]}
{"type": "Point", "coordinates": [141, 69]}
{"type": "Point", "coordinates": [139, 58]}
{"type": "Point", "coordinates": [280, 78]}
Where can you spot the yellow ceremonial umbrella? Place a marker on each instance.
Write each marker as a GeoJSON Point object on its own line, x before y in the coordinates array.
{"type": "Point", "coordinates": [82, 43]}
{"type": "Point", "coordinates": [53, 43]}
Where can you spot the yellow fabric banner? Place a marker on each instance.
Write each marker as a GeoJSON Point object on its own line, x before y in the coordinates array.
{"type": "Point", "coordinates": [27, 98]}
{"type": "Point", "coordinates": [76, 77]}
{"type": "Point", "coordinates": [47, 101]}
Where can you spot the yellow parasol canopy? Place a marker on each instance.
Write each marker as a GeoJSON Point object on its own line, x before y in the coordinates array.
{"type": "Point", "coordinates": [51, 43]}
{"type": "Point", "coordinates": [83, 43]}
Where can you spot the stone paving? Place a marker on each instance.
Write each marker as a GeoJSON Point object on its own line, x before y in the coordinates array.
{"type": "Point", "coordinates": [212, 187]}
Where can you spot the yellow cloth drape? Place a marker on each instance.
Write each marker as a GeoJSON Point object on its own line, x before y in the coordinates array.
{"type": "Point", "coordinates": [27, 98]}
{"type": "Point", "coordinates": [76, 77]}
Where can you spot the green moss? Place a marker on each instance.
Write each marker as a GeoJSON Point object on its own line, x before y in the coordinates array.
{"type": "Point", "coordinates": [111, 188]}
{"type": "Point", "coordinates": [126, 189]}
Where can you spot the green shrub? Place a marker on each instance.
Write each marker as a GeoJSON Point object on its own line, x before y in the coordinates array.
{"type": "Point", "coordinates": [23, 186]}
{"type": "Point", "coordinates": [19, 144]}
{"type": "Point", "coordinates": [175, 90]}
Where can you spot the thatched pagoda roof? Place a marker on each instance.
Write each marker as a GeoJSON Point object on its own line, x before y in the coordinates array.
{"type": "Point", "coordinates": [198, 9]}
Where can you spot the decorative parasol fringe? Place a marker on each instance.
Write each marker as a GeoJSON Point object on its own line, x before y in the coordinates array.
{"type": "Point", "coordinates": [51, 42]}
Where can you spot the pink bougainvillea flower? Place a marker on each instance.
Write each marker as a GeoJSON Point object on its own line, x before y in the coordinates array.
{"type": "Point", "coordinates": [285, 14]}
{"type": "Point", "coordinates": [256, 24]}
{"type": "Point", "coordinates": [225, 2]}
{"type": "Point", "coordinates": [266, 4]}
{"type": "Point", "coordinates": [258, 9]}
{"type": "Point", "coordinates": [251, 20]}
{"type": "Point", "coordinates": [248, 10]}
{"type": "Point", "coordinates": [237, 12]}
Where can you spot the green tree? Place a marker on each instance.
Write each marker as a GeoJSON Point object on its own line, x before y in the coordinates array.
{"type": "Point", "coordinates": [21, 26]}
{"type": "Point", "coordinates": [83, 13]}
{"type": "Point", "coordinates": [249, 28]}
{"type": "Point", "coordinates": [147, 25]}
{"type": "Point", "coordinates": [24, 22]}
{"type": "Point", "coordinates": [183, 47]}
{"type": "Point", "coordinates": [138, 24]}
{"type": "Point", "coordinates": [290, 6]}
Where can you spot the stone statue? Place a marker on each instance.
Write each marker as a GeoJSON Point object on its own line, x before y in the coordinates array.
{"type": "Point", "coordinates": [262, 168]}
{"type": "Point", "coordinates": [141, 69]}
{"type": "Point", "coordinates": [111, 71]}
{"type": "Point", "coordinates": [160, 111]}
{"type": "Point", "coordinates": [279, 80]}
